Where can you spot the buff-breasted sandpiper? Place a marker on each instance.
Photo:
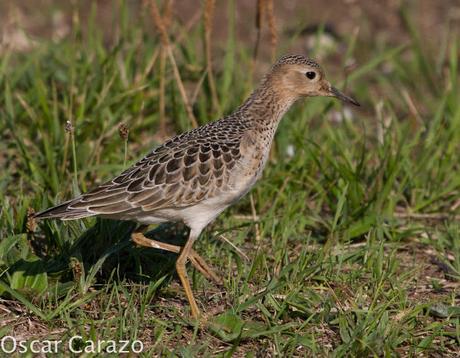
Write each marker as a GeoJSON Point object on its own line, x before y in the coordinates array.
{"type": "Point", "coordinates": [195, 176]}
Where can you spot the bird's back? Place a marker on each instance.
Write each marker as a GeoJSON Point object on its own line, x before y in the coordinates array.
{"type": "Point", "coordinates": [185, 171]}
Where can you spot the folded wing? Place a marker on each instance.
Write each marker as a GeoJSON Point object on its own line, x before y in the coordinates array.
{"type": "Point", "coordinates": [180, 173]}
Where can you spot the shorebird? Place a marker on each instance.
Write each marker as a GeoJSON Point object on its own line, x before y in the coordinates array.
{"type": "Point", "coordinates": [196, 175]}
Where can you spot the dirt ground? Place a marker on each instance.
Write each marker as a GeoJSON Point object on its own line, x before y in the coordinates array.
{"type": "Point", "coordinates": [24, 326]}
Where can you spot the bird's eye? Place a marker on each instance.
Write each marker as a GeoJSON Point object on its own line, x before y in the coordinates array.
{"type": "Point", "coordinates": [310, 75]}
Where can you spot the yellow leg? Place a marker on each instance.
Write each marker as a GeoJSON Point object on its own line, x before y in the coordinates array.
{"type": "Point", "coordinates": [182, 273]}
{"type": "Point", "coordinates": [197, 261]}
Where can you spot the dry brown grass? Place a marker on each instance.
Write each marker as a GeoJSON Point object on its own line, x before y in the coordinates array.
{"type": "Point", "coordinates": [162, 29]}
{"type": "Point", "coordinates": [208, 25]}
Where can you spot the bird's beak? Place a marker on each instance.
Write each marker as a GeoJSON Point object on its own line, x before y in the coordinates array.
{"type": "Point", "coordinates": [334, 92]}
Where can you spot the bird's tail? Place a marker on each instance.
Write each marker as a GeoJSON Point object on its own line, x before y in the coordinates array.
{"type": "Point", "coordinates": [64, 212]}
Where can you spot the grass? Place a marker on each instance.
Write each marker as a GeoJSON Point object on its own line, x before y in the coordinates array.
{"type": "Point", "coordinates": [353, 242]}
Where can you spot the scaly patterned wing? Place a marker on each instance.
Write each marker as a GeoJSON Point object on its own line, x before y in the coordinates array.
{"type": "Point", "coordinates": [180, 173]}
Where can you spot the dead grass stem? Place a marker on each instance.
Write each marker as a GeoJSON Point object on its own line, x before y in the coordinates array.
{"type": "Point", "coordinates": [160, 24]}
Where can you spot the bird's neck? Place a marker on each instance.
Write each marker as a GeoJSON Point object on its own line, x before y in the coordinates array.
{"type": "Point", "coordinates": [266, 105]}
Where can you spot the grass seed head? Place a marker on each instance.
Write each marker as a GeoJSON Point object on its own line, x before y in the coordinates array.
{"type": "Point", "coordinates": [123, 131]}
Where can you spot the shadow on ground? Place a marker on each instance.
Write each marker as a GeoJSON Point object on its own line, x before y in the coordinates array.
{"type": "Point", "coordinates": [104, 252]}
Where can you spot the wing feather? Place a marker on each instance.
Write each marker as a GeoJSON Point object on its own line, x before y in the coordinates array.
{"type": "Point", "coordinates": [182, 172]}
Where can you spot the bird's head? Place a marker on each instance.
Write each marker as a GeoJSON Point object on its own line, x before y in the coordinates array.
{"type": "Point", "coordinates": [297, 76]}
